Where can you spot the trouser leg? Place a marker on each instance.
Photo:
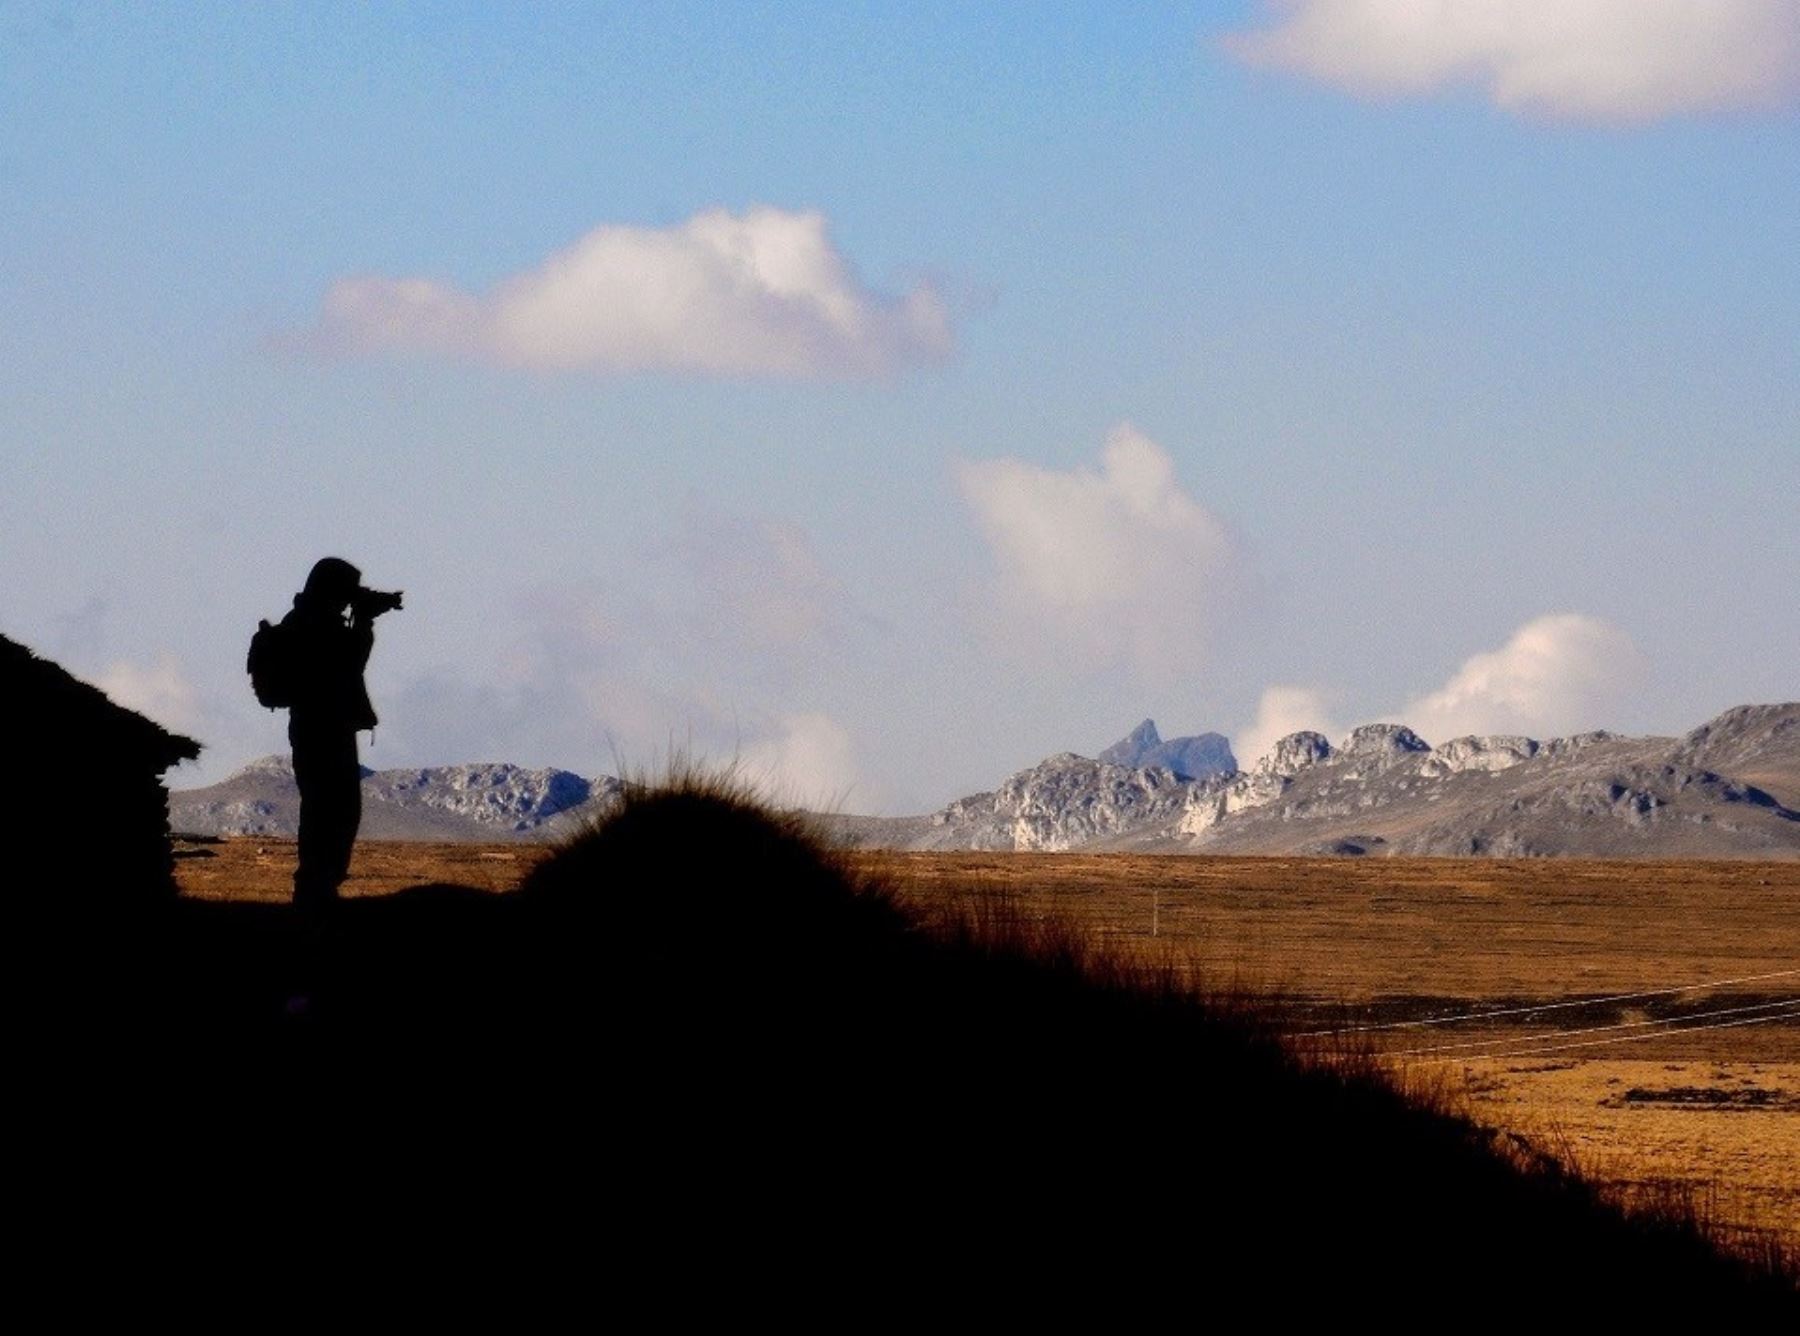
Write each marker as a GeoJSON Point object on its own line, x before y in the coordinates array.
{"type": "Point", "coordinates": [349, 819]}
{"type": "Point", "coordinates": [330, 782]}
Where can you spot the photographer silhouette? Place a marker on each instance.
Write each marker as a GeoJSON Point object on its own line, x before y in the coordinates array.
{"type": "Point", "coordinates": [328, 638]}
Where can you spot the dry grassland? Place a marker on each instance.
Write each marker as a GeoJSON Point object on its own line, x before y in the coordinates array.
{"type": "Point", "coordinates": [1714, 1114]}
{"type": "Point", "coordinates": [1347, 943]}
{"type": "Point", "coordinates": [251, 870]}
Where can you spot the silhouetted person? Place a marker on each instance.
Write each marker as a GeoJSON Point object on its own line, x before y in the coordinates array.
{"type": "Point", "coordinates": [332, 630]}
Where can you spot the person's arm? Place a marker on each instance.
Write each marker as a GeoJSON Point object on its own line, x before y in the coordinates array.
{"type": "Point", "coordinates": [360, 643]}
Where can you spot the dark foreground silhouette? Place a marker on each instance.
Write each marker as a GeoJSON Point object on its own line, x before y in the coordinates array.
{"type": "Point", "coordinates": [692, 1067]}
{"type": "Point", "coordinates": [62, 738]}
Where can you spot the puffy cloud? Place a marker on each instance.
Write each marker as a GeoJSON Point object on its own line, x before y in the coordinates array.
{"type": "Point", "coordinates": [1118, 566]}
{"type": "Point", "coordinates": [762, 293]}
{"type": "Point", "coordinates": [1558, 674]}
{"type": "Point", "coordinates": [1283, 710]}
{"type": "Point", "coordinates": [162, 692]}
{"type": "Point", "coordinates": [1617, 61]}
{"type": "Point", "coordinates": [809, 760]}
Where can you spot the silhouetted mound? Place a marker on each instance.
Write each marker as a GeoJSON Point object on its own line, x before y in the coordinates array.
{"type": "Point", "coordinates": [701, 877]}
{"type": "Point", "coordinates": [66, 740]}
{"type": "Point", "coordinates": [746, 1078]}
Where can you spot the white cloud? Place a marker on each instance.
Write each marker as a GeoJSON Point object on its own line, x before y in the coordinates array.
{"type": "Point", "coordinates": [1610, 61]}
{"type": "Point", "coordinates": [762, 293]}
{"type": "Point", "coordinates": [809, 760]}
{"type": "Point", "coordinates": [1117, 566]}
{"type": "Point", "coordinates": [161, 692]}
{"type": "Point", "coordinates": [1558, 674]}
{"type": "Point", "coordinates": [1283, 710]}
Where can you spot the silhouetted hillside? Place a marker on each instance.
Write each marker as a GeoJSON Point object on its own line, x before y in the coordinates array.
{"type": "Point", "coordinates": [751, 1081]}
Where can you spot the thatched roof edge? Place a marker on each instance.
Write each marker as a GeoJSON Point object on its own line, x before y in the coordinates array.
{"type": "Point", "coordinates": [48, 698]}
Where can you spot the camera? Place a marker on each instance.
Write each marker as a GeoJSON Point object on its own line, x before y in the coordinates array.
{"type": "Point", "coordinates": [368, 604]}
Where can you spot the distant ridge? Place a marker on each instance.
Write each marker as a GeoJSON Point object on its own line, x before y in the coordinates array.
{"type": "Point", "coordinates": [490, 802]}
{"type": "Point", "coordinates": [1728, 789]}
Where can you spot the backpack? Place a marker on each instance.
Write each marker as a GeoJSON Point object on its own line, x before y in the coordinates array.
{"type": "Point", "coordinates": [271, 664]}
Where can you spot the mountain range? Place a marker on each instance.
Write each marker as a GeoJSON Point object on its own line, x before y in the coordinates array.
{"type": "Point", "coordinates": [1728, 789]}
{"type": "Point", "coordinates": [448, 803]}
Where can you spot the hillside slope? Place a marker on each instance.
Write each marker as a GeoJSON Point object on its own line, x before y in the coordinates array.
{"type": "Point", "coordinates": [1757, 744]}
{"type": "Point", "coordinates": [768, 1082]}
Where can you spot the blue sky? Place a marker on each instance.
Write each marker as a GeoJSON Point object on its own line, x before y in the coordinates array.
{"type": "Point", "coordinates": [893, 394]}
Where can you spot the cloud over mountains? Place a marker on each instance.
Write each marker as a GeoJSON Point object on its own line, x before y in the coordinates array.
{"type": "Point", "coordinates": [762, 293]}
{"type": "Point", "coordinates": [1115, 565]}
{"type": "Point", "coordinates": [1557, 674]}
{"type": "Point", "coordinates": [1607, 61]}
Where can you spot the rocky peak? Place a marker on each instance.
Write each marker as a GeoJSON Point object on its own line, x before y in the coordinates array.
{"type": "Point", "coordinates": [1062, 802]}
{"type": "Point", "coordinates": [1294, 753]}
{"type": "Point", "coordinates": [1128, 749]}
{"type": "Point", "coordinates": [1745, 734]}
{"type": "Point", "coordinates": [504, 795]}
{"type": "Point", "coordinates": [1383, 740]}
{"type": "Point", "coordinates": [1193, 757]}
{"type": "Point", "coordinates": [1760, 742]}
{"type": "Point", "coordinates": [1575, 742]}
{"type": "Point", "coordinates": [1490, 753]}
{"type": "Point", "coordinates": [1197, 757]}
{"type": "Point", "coordinates": [1747, 720]}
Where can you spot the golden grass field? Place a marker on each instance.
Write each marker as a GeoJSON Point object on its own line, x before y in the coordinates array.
{"type": "Point", "coordinates": [1339, 942]}
{"type": "Point", "coordinates": [1345, 942]}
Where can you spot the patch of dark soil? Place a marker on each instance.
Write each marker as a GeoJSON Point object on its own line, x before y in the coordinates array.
{"type": "Point", "coordinates": [1705, 1097]}
{"type": "Point", "coordinates": [1442, 1015]}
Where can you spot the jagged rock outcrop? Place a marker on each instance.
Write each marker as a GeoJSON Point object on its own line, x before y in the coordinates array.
{"type": "Point", "coordinates": [504, 796]}
{"type": "Point", "coordinates": [1209, 804]}
{"type": "Point", "coordinates": [454, 802]}
{"type": "Point", "coordinates": [1140, 742]}
{"type": "Point", "coordinates": [1058, 804]}
{"type": "Point", "coordinates": [1294, 753]}
{"type": "Point", "coordinates": [1386, 790]}
{"type": "Point", "coordinates": [1193, 757]}
{"type": "Point", "coordinates": [1375, 747]}
{"type": "Point", "coordinates": [1490, 754]}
